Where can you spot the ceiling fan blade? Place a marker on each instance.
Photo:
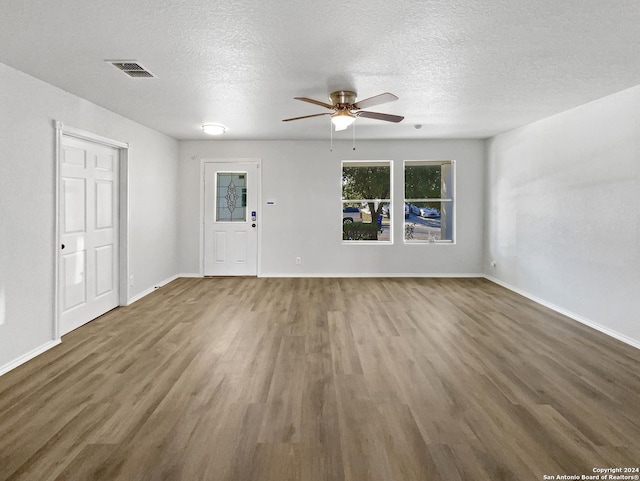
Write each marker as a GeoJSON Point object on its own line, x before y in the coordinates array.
{"type": "Point", "coordinates": [317, 102]}
{"type": "Point", "coordinates": [376, 100]}
{"type": "Point", "coordinates": [379, 116]}
{"type": "Point", "coordinates": [306, 116]}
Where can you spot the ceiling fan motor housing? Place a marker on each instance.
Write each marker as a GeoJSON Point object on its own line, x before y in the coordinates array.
{"type": "Point", "coordinates": [343, 97]}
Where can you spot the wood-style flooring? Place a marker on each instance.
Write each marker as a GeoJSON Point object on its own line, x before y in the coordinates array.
{"type": "Point", "coordinates": [239, 379]}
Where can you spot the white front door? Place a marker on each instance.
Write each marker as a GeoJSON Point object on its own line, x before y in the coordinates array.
{"type": "Point", "coordinates": [230, 219]}
{"type": "Point", "coordinates": [88, 216]}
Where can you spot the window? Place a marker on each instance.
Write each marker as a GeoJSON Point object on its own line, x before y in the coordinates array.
{"type": "Point", "coordinates": [366, 201]}
{"type": "Point", "coordinates": [231, 197]}
{"type": "Point", "coordinates": [428, 197]}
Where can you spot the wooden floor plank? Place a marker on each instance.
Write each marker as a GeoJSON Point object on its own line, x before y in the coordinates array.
{"type": "Point", "coordinates": [253, 379]}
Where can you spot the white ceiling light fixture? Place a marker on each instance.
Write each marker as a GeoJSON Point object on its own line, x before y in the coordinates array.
{"type": "Point", "coordinates": [342, 119]}
{"type": "Point", "coordinates": [214, 129]}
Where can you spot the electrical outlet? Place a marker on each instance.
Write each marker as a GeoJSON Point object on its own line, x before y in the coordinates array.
{"type": "Point", "coordinates": [494, 264]}
{"type": "Point", "coordinates": [298, 260]}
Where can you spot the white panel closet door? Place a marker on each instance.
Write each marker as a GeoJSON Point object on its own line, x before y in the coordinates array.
{"type": "Point", "coordinates": [230, 219]}
{"type": "Point", "coordinates": [88, 268]}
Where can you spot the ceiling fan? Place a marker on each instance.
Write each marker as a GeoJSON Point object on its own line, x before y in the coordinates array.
{"type": "Point", "coordinates": [346, 110]}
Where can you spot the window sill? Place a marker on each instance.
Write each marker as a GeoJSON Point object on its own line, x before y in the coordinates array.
{"type": "Point", "coordinates": [366, 243]}
{"type": "Point", "coordinates": [423, 242]}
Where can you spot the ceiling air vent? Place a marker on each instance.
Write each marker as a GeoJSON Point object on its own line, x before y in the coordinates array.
{"type": "Point", "coordinates": [131, 68]}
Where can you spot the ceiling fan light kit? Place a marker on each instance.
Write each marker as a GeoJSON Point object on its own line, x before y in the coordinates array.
{"type": "Point", "coordinates": [346, 109]}
{"type": "Point", "coordinates": [342, 119]}
{"type": "Point", "coordinates": [214, 129]}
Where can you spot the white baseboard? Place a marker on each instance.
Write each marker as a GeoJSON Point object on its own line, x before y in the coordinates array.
{"type": "Point", "coordinates": [587, 322]}
{"type": "Point", "coordinates": [146, 292]}
{"type": "Point", "coordinates": [348, 274]}
{"type": "Point", "coordinates": [28, 356]}
{"type": "Point", "coordinates": [360, 274]}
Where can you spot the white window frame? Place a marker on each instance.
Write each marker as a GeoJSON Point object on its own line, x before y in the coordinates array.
{"type": "Point", "coordinates": [450, 198]}
{"type": "Point", "coordinates": [368, 163]}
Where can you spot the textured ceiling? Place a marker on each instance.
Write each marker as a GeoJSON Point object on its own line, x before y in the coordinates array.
{"type": "Point", "coordinates": [462, 69]}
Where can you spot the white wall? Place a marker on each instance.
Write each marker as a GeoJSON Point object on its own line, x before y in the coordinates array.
{"type": "Point", "coordinates": [563, 212]}
{"type": "Point", "coordinates": [28, 108]}
{"type": "Point", "coordinates": [304, 178]}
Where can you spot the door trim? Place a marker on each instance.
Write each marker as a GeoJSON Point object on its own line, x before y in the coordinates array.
{"type": "Point", "coordinates": [258, 163]}
{"type": "Point", "coordinates": [123, 213]}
